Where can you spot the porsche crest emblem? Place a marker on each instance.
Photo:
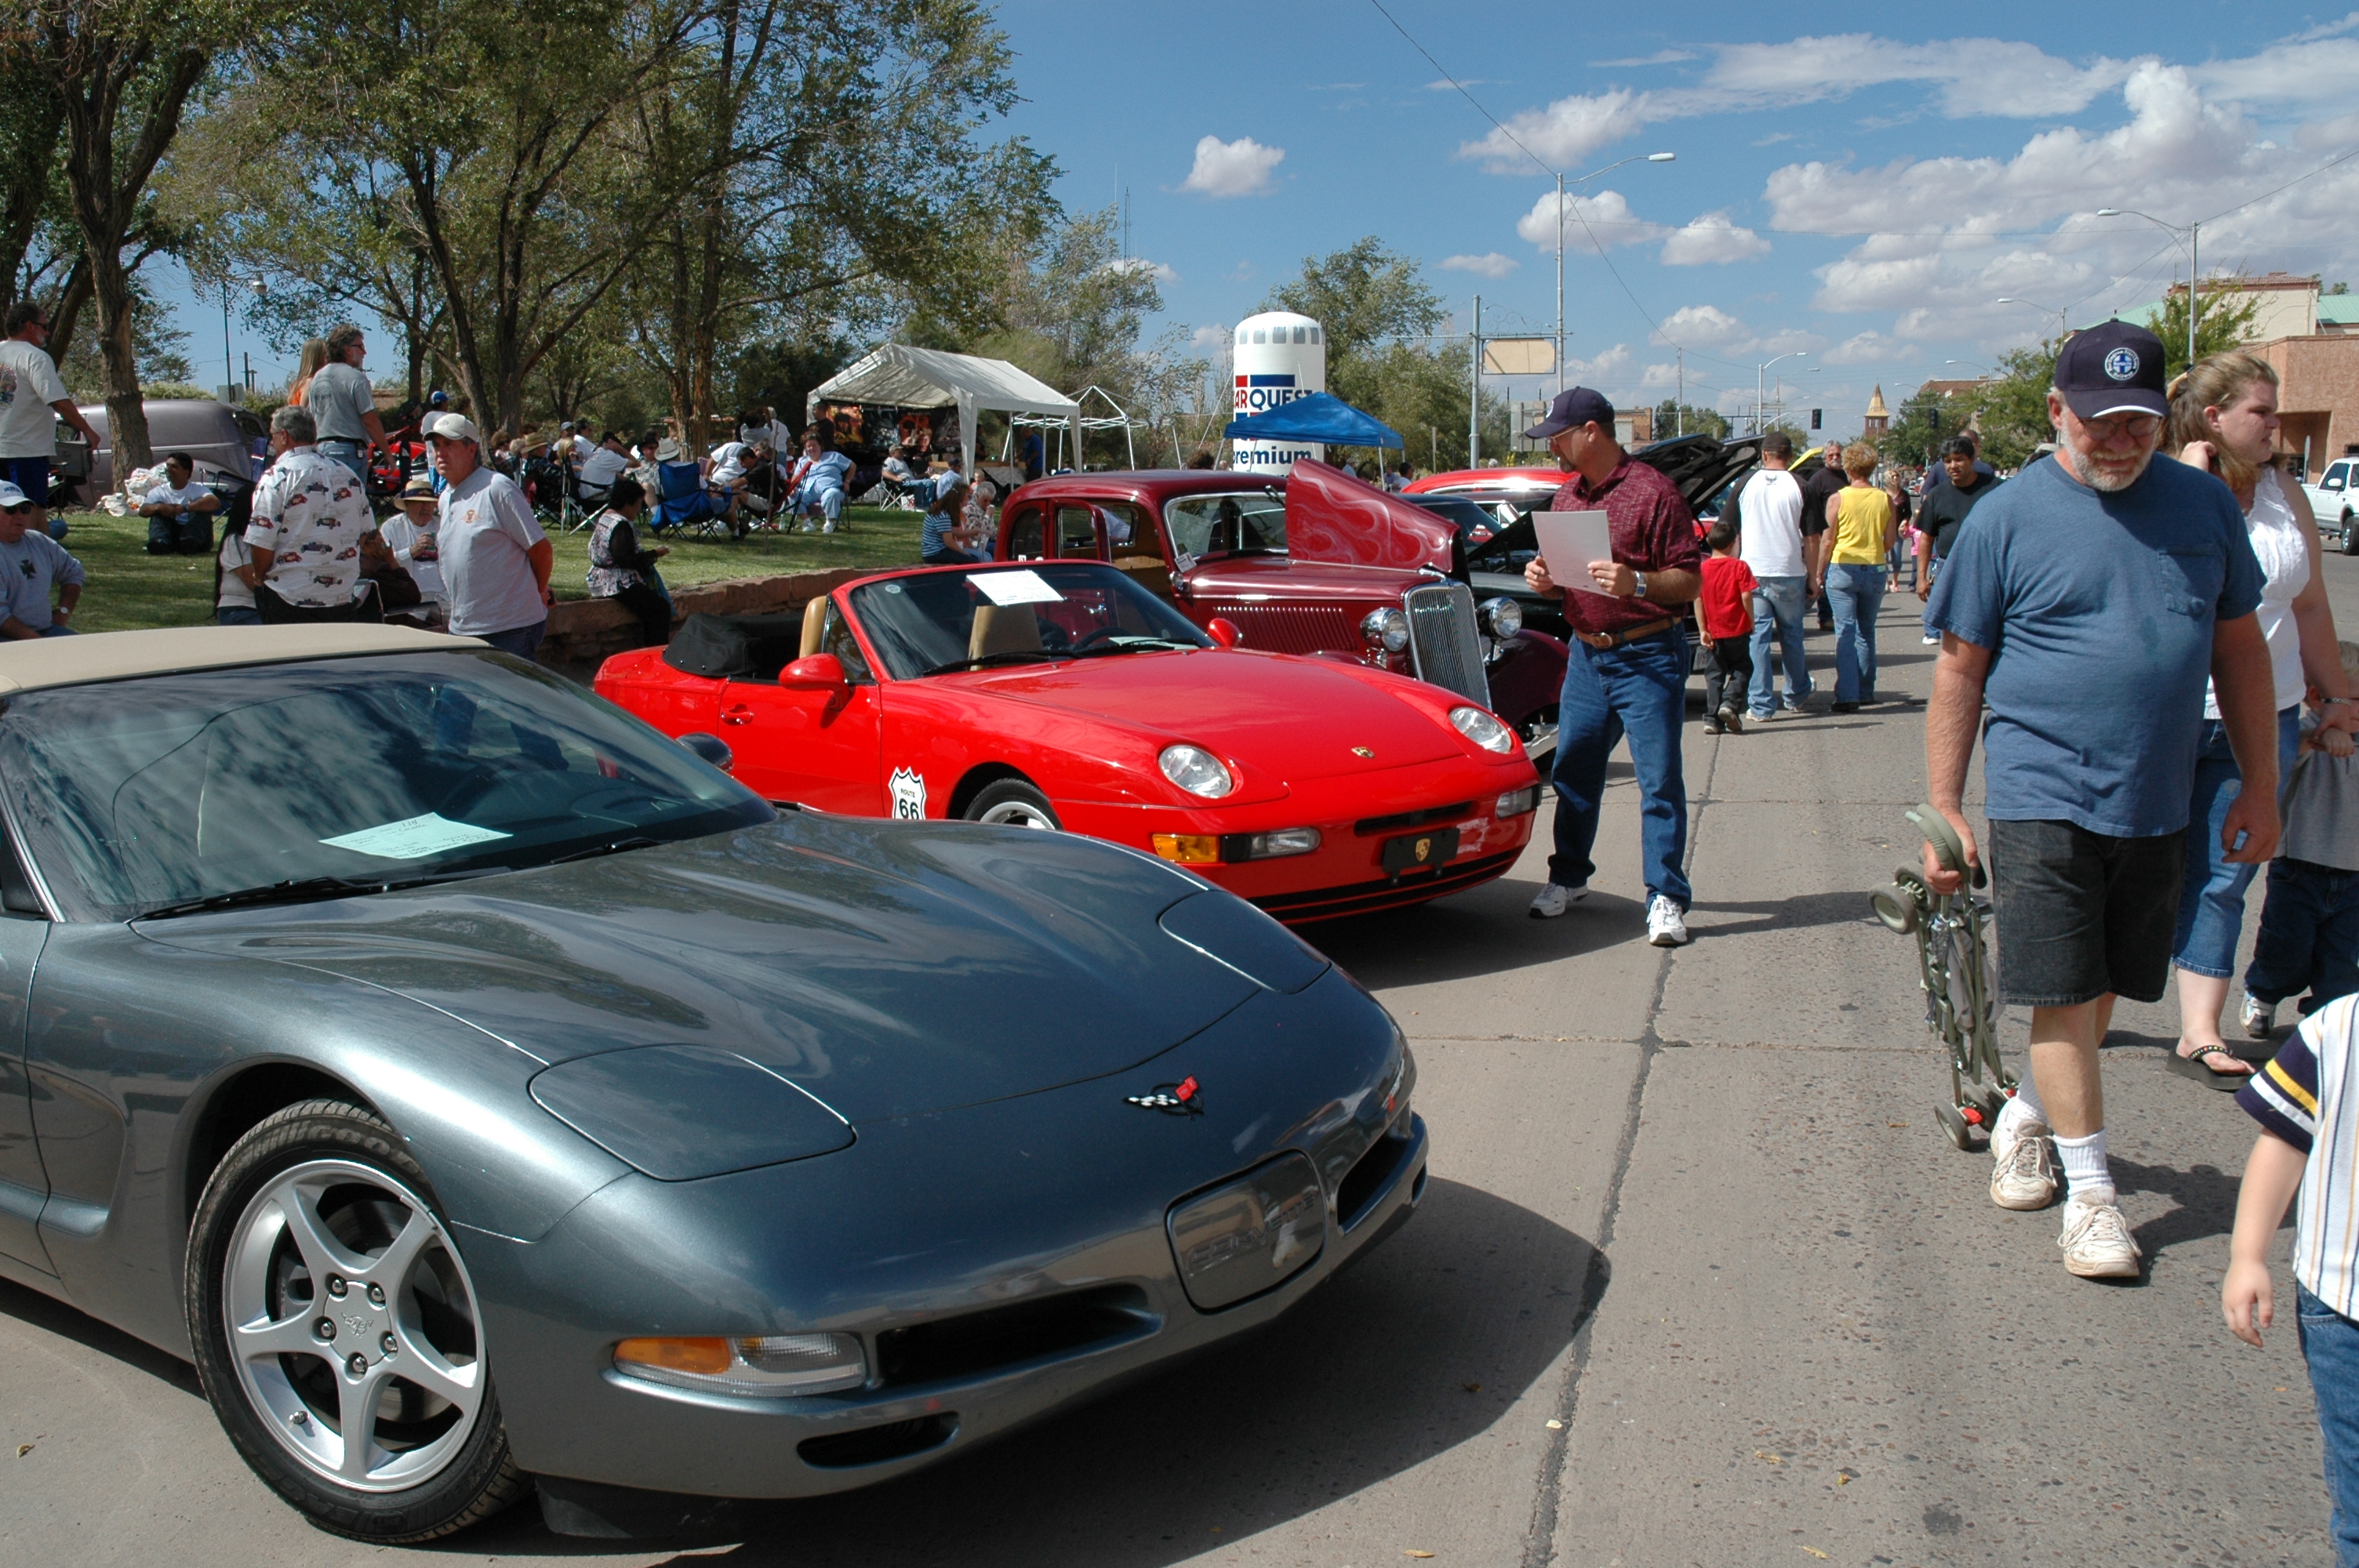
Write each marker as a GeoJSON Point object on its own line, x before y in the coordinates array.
{"type": "Point", "coordinates": [1424, 849]}
{"type": "Point", "coordinates": [1364, 751]}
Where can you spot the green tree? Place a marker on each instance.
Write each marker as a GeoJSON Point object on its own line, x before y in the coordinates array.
{"type": "Point", "coordinates": [2227, 322]}
{"type": "Point", "coordinates": [1923, 421]}
{"type": "Point", "coordinates": [2010, 410]}
{"type": "Point", "coordinates": [1673, 417]}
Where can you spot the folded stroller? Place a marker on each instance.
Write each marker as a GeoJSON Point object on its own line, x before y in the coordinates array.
{"type": "Point", "coordinates": [1953, 964]}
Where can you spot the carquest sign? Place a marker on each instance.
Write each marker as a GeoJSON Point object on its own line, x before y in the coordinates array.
{"type": "Point", "coordinates": [1279, 356]}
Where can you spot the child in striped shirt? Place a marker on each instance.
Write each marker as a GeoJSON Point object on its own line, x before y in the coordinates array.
{"type": "Point", "coordinates": [2307, 1101]}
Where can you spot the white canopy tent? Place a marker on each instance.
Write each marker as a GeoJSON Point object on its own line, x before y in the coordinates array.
{"type": "Point", "coordinates": [904, 377]}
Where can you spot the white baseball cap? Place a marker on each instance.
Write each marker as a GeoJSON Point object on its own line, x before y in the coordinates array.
{"type": "Point", "coordinates": [11, 496]}
{"type": "Point", "coordinates": [453, 427]}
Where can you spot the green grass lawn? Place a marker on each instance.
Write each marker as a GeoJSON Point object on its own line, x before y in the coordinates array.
{"type": "Point", "coordinates": [130, 590]}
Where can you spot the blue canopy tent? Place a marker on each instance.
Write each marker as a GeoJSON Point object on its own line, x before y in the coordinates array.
{"type": "Point", "coordinates": [1315, 416]}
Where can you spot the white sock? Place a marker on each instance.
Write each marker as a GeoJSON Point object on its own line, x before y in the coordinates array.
{"type": "Point", "coordinates": [2021, 1107]}
{"type": "Point", "coordinates": [2084, 1163]}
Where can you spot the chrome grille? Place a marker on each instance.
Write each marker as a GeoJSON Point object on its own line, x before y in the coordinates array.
{"type": "Point", "coordinates": [1443, 647]}
{"type": "Point", "coordinates": [1293, 627]}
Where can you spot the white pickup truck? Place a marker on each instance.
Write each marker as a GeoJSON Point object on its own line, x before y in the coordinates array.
{"type": "Point", "coordinates": [2332, 501]}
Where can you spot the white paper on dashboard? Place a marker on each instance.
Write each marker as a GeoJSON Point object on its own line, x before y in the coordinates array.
{"type": "Point", "coordinates": [413, 838]}
{"type": "Point", "coordinates": [1568, 541]}
{"type": "Point", "coordinates": [1023, 586]}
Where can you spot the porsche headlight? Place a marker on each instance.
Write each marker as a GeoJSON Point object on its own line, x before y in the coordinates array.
{"type": "Point", "coordinates": [1483, 730]}
{"type": "Point", "coordinates": [764, 1367]}
{"type": "Point", "coordinates": [1388, 629]}
{"type": "Point", "coordinates": [1503, 616]}
{"type": "Point", "coordinates": [1196, 771]}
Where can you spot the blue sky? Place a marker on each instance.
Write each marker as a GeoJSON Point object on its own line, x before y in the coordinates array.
{"type": "Point", "coordinates": [1859, 194]}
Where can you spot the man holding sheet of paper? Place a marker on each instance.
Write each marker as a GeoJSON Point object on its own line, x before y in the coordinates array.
{"type": "Point", "coordinates": [1628, 672]}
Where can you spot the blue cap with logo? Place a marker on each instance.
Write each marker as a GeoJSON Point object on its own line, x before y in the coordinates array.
{"type": "Point", "coordinates": [1573, 407]}
{"type": "Point", "coordinates": [2114, 368]}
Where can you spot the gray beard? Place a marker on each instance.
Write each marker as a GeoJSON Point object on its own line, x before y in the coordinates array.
{"type": "Point", "coordinates": [2103, 484]}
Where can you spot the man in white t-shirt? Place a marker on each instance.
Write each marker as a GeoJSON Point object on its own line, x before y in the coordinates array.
{"type": "Point", "coordinates": [32, 400]}
{"type": "Point", "coordinates": [179, 511]}
{"type": "Point", "coordinates": [603, 464]}
{"type": "Point", "coordinates": [1775, 545]}
{"type": "Point", "coordinates": [495, 560]}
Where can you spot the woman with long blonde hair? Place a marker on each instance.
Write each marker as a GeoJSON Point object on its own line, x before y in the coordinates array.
{"type": "Point", "coordinates": [315, 355]}
{"type": "Point", "coordinates": [2223, 418]}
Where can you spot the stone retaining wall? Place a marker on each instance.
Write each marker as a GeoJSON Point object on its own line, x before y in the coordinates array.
{"type": "Point", "coordinates": [583, 631]}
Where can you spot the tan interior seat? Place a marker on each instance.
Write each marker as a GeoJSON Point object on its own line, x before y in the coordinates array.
{"type": "Point", "coordinates": [1009, 629]}
{"type": "Point", "coordinates": [1147, 571]}
{"type": "Point", "coordinates": [814, 624]}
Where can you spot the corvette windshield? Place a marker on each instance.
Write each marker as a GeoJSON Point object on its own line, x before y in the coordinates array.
{"type": "Point", "coordinates": [294, 780]}
{"type": "Point", "coordinates": [935, 622]}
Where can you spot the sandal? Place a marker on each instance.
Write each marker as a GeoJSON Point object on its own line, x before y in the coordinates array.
{"type": "Point", "coordinates": [2196, 1066]}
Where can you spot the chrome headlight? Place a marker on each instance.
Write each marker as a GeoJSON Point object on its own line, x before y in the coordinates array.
{"type": "Point", "coordinates": [1196, 771]}
{"type": "Point", "coordinates": [1388, 629]}
{"type": "Point", "coordinates": [1503, 616]}
{"type": "Point", "coordinates": [1483, 730]}
{"type": "Point", "coordinates": [766, 1366]}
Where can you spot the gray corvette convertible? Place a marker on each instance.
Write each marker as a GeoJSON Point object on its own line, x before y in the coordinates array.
{"type": "Point", "coordinates": [483, 1090]}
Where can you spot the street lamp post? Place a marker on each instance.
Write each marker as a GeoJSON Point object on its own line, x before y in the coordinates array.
{"type": "Point", "coordinates": [229, 359]}
{"type": "Point", "coordinates": [1592, 174]}
{"type": "Point", "coordinates": [1758, 371]}
{"type": "Point", "coordinates": [2194, 233]}
{"type": "Point", "coordinates": [2011, 299]}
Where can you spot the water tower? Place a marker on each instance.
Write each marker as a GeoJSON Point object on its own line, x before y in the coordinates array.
{"type": "Point", "coordinates": [1279, 357]}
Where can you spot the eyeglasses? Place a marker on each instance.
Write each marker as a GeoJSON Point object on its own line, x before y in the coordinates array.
{"type": "Point", "coordinates": [20, 507]}
{"type": "Point", "coordinates": [2136, 426]}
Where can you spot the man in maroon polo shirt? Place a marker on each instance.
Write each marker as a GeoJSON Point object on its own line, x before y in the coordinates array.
{"type": "Point", "coordinates": [1628, 672]}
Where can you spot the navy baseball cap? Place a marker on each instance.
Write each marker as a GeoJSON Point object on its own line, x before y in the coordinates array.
{"type": "Point", "coordinates": [1573, 407]}
{"type": "Point", "coordinates": [2113, 369]}
{"type": "Point", "coordinates": [439, 398]}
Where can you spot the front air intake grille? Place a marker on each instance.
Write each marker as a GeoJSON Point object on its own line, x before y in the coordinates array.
{"type": "Point", "coordinates": [1444, 648]}
{"type": "Point", "coordinates": [1004, 1336]}
{"type": "Point", "coordinates": [1368, 1178]}
{"type": "Point", "coordinates": [876, 1444]}
{"type": "Point", "coordinates": [1292, 628]}
{"type": "Point", "coordinates": [1369, 827]}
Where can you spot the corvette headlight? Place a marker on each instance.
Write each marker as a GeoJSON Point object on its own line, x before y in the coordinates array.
{"type": "Point", "coordinates": [765, 1366]}
{"type": "Point", "coordinates": [1196, 771]}
{"type": "Point", "coordinates": [1388, 629]}
{"type": "Point", "coordinates": [1503, 615]}
{"type": "Point", "coordinates": [1483, 730]}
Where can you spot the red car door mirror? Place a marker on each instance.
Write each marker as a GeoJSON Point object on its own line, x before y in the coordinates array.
{"type": "Point", "coordinates": [820, 672]}
{"type": "Point", "coordinates": [1224, 630]}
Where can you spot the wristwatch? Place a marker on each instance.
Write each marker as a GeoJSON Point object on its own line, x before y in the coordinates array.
{"type": "Point", "coordinates": [1640, 590]}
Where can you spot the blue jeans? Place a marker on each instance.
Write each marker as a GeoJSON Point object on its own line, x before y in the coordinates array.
{"type": "Point", "coordinates": [524, 642]}
{"type": "Point", "coordinates": [56, 631]}
{"type": "Point", "coordinates": [345, 452]}
{"type": "Point", "coordinates": [2330, 1343]}
{"type": "Point", "coordinates": [829, 501]}
{"type": "Point", "coordinates": [237, 615]}
{"type": "Point", "coordinates": [1777, 618]}
{"type": "Point", "coordinates": [31, 475]}
{"type": "Point", "coordinates": [1856, 592]}
{"type": "Point", "coordinates": [2310, 936]}
{"type": "Point", "coordinates": [1639, 689]}
{"type": "Point", "coordinates": [950, 555]}
{"type": "Point", "coordinates": [2211, 906]}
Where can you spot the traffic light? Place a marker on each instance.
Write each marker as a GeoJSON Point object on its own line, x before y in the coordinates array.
{"type": "Point", "coordinates": [1814, 417]}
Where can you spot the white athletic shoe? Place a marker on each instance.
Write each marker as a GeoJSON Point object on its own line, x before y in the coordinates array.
{"type": "Point", "coordinates": [2096, 1238]}
{"type": "Point", "coordinates": [1555, 899]}
{"type": "Point", "coordinates": [1732, 716]}
{"type": "Point", "coordinates": [829, 529]}
{"type": "Point", "coordinates": [2025, 1174]}
{"type": "Point", "coordinates": [1667, 923]}
{"type": "Point", "coordinates": [2260, 1017]}
{"type": "Point", "coordinates": [1932, 642]}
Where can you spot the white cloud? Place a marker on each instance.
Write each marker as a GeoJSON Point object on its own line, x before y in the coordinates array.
{"type": "Point", "coordinates": [1134, 264]}
{"type": "Point", "coordinates": [1446, 85]}
{"type": "Point", "coordinates": [1211, 335]}
{"type": "Point", "coordinates": [1608, 214]}
{"type": "Point", "coordinates": [1869, 348]}
{"type": "Point", "coordinates": [1660, 57]}
{"type": "Point", "coordinates": [1665, 374]}
{"type": "Point", "coordinates": [1241, 168]}
{"type": "Point", "coordinates": [1976, 76]}
{"type": "Point", "coordinates": [1490, 264]}
{"type": "Point", "coordinates": [1703, 326]}
{"type": "Point", "coordinates": [1606, 369]}
{"type": "Point", "coordinates": [1712, 238]}
{"type": "Point", "coordinates": [1566, 132]}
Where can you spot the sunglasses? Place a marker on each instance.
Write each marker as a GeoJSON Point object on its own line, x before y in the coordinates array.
{"type": "Point", "coordinates": [20, 507]}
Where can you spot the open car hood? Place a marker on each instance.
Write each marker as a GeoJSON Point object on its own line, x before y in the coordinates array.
{"type": "Point", "coordinates": [1331, 516]}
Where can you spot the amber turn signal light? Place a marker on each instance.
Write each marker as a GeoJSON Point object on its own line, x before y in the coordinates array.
{"type": "Point", "coordinates": [707, 1355]}
{"type": "Point", "coordinates": [1190, 849]}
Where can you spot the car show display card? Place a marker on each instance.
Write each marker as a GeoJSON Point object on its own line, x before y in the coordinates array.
{"type": "Point", "coordinates": [1023, 586]}
{"type": "Point", "coordinates": [414, 838]}
{"type": "Point", "coordinates": [1568, 541]}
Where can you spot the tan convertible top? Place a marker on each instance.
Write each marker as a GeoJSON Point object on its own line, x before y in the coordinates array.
{"type": "Point", "coordinates": [125, 655]}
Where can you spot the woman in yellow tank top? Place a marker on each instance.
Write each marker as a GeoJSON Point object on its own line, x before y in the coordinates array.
{"type": "Point", "coordinates": [1859, 536]}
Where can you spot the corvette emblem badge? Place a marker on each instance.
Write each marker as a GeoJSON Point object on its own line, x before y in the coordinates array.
{"type": "Point", "coordinates": [1182, 1098]}
{"type": "Point", "coordinates": [1364, 751]}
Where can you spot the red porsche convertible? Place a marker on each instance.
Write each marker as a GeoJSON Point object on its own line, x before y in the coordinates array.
{"type": "Point", "coordinates": [1062, 695]}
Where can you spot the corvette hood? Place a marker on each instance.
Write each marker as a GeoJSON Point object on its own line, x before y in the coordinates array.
{"type": "Point", "coordinates": [889, 968]}
{"type": "Point", "coordinates": [1283, 717]}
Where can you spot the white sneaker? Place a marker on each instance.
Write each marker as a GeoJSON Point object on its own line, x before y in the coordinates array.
{"type": "Point", "coordinates": [1555, 899]}
{"type": "Point", "coordinates": [1666, 923]}
{"type": "Point", "coordinates": [1733, 718]}
{"type": "Point", "coordinates": [2025, 1175]}
{"type": "Point", "coordinates": [1932, 642]}
{"type": "Point", "coordinates": [2260, 1017]}
{"type": "Point", "coordinates": [2096, 1238]}
{"type": "Point", "coordinates": [829, 529]}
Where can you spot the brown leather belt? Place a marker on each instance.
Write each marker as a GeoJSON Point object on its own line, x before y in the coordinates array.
{"type": "Point", "coordinates": [1604, 640]}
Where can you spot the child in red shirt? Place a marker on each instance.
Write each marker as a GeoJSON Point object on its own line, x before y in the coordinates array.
{"type": "Point", "coordinates": [1726, 609]}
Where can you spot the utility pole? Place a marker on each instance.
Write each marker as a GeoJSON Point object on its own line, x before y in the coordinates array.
{"type": "Point", "coordinates": [1679, 404]}
{"type": "Point", "coordinates": [2194, 274]}
{"type": "Point", "coordinates": [1475, 392]}
{"type": "Point", "coordinates": [1560, 281]}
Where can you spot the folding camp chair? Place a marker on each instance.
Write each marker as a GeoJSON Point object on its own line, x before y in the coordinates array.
{"type": "Point", "coordinates": [685, 503]}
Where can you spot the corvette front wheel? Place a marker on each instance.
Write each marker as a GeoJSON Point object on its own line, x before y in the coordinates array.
{"type": "Point", "coordinates": [1012, 803]}
{"type": "Point", "coordinates": [338, 1334]}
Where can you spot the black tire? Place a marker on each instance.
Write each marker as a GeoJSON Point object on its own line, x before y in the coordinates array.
{"type": "Point", "coordinates": [1013, 802]}
{"type": "Point", "coordinates": [2350, 540]}
{"type": "Point", "coordinates": [476, 1477]}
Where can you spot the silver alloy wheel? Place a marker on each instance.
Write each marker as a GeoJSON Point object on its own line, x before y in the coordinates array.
{"type": "Point", "coordinates": [1019, 814]}
{"type": "Point", "coordinates": [353, 1327]}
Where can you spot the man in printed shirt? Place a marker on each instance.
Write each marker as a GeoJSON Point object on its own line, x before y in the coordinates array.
{"type": "Point", "coordinates": [2307, 1101]}
{"type": "Point", "coordinates": [309, 512]}
{"type": "Point", "coordinates": [1628, 670]}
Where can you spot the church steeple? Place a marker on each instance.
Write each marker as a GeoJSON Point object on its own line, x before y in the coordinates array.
{"type": "Point", "coordinates": [1879, 418]}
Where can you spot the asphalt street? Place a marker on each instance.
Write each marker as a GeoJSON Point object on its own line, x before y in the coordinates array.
{"type": "Point", "coordinates": [1698, 1280]}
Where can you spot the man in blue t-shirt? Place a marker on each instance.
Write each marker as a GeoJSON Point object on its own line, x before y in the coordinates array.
{"type": "Point", "coordinates": [2087, 600]}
